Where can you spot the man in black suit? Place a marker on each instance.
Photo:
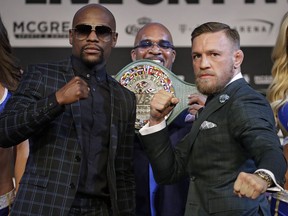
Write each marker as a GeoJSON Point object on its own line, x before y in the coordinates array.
{"type": "Point", "coordinates": [80, 123]}
{"type": "Point", "coordinates": [232, 153]}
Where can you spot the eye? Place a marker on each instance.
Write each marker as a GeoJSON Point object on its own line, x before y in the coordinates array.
{"type": "Point", "coordinates": [103, 30]}
{"type": "Point", "coordinates": [146, 43]}
{"type": "Point", "coordinates": [165, 44]}
{"type": "Point", "coordinates": [214, 54]}
{"type": "Point", "coordinates": [196, 56]}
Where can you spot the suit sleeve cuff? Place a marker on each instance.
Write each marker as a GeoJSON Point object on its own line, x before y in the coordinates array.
{"type": "Point", "coordinates": [146, 129]}
{"type": "Point", "coordinates": [276, 187]}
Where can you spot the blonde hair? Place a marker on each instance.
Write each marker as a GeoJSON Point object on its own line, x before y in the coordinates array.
{"type": "Point", "coordinates": [277, 92]}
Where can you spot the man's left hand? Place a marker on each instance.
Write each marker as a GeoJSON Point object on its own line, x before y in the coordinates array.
{"type": "Point", "coordinates": [249, 185]}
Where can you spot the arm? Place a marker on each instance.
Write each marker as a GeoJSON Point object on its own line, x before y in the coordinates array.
{"type": "Point", "coordinates": [36, 103]}
{"type": "Point", "coordinates": [168, 164]}
{"type": "Point", "coordinates": [253, 124]}
{"type": "Point", "coordinates": [21, 156]}
{"type": "Point", "coordinates": [6, 183]}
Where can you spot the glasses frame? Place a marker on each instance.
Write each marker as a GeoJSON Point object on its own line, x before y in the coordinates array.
{"type": "Point", "coordinates": [158, 44]}
{"type": "Point", "coordinates": [92, 28]}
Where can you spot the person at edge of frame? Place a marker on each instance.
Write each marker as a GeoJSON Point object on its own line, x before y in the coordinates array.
{"type": "Point", "coordinates": [277, 95]}
{"type": "Point", "coordinates": [10, 75]}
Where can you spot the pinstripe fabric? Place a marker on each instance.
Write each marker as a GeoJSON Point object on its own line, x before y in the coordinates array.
{"type": "Point", "coordinates": [243, 141]}
{"type": "Point", "coordinates": [50, 181]}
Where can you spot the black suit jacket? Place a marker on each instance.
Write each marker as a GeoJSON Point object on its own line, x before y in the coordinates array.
{"type": "Point", "coordinates": [50, 181]}
{"type": "Point", "coordinates": [241, 136]}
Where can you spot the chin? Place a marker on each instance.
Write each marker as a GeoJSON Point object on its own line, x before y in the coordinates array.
{"type": "Point", "coordinates": [92, 61]}
{"type": "Point", "coordinates": [205, 88]}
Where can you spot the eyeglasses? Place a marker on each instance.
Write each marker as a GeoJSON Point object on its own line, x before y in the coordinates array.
{"type": "Point", "coordinates": [163, 44]}
{"type": "Point", "coordinates": [83, 31]}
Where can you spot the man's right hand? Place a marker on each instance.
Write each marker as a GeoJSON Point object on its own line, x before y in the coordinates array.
{"type": "Point", "coordinates": [161, 105]}
{"type": "Point", "coordinates": [196, 101]}
{"type": "Point", "coordinates": [73, 91]}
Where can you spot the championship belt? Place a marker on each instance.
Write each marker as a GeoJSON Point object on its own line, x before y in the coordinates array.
{"type": "Point", "coordinates": [145, 78]}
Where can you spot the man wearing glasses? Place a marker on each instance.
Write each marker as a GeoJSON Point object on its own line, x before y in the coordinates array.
{"type": "Point", "coordinates": [154, 41]}
{"type": "Point", "coordinates": [80, 122]}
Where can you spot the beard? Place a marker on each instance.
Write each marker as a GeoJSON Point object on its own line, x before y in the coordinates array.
{"type": "Point", "coordinates": [92, 60]}
{"type": "Point", "coordinates": [215, 84]}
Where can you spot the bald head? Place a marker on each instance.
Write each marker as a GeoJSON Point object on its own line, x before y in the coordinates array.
{"type": "Point", "coordinates": [91, 46]}
{"type": "Point", "coordinates": [94, 9]}
{"type": "Point", "coordinates": [161, 49]}
{"type": "Point", "coordinates": [153, 29]}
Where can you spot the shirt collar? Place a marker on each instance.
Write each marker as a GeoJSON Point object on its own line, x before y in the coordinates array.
{"type": "Point", "coordinates": [80, 69]}
{"type": "Point", "coordinates": [236, 77]}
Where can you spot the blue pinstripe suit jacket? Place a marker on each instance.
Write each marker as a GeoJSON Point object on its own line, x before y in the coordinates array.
{"type": "Point", "coordinates": [50, 181]}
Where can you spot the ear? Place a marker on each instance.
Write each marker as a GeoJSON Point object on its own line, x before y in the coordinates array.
{"type": "Point", "coordinates": [70, 36]}
{"type": "Point", "coordinates": [133, 55]}
{"type": "Point", "coordinates": [114, 39]}
{"type": "Point", "coordinates": [238, 58]}
{"type": "Point", "coordinates": [174, 55]}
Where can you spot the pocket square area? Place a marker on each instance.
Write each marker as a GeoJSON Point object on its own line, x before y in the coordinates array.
{"type": "Point", "coordinates": [207, 125]}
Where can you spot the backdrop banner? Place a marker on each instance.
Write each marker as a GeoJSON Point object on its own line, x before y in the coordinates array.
{"type": "Point", "coordinates": [45, 23]}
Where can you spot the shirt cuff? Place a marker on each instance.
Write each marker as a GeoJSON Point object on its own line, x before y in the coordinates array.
{"type": "Point", "coordinates": [146, 129]}
{"type": "Point", "coordinates": [276, 187]}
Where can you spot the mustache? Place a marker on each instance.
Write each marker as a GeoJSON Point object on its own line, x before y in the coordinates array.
{"type": "Point", "coordinates": [204, 72]}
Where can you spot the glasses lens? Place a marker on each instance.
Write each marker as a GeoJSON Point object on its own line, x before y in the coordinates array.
{"type": "Point", "coordinates": [82, 31]}
{"type": "Point", "coordinates": [103, 33]}
{"type": "Point", "coordinates": [165, 44]}
{"type": "Point", "coordinates": [145, 44]}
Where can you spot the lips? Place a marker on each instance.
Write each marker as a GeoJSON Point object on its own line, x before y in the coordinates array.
{"type": "Point", "coordinates": [92, 49]}
{"type": "Point", "coordinates": [205, 74]}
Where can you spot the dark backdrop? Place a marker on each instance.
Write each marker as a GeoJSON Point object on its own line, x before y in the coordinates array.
{"type": "Point", "coordinates": [257, 61]}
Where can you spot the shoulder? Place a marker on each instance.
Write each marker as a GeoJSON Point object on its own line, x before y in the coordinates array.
{"type": "Point", "coordinates": [50, 65]}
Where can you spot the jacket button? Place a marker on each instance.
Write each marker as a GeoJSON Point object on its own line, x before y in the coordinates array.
{"type": "Point", "coordinates": [77, 158]}
{"type": "Point", "coordinates": [72, 186]}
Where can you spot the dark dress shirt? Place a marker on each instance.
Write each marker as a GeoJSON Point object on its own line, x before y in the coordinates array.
{"type": "Point", "coordinates": [95, 121]}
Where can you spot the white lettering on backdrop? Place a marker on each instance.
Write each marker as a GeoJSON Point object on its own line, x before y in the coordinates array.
{"type": "Point", "coordinates": [45, 23]}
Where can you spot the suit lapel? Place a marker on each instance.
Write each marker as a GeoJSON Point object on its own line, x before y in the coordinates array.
{"type": "Point", "coordinates": [217, 102]}
{"type": "Point", "coordinates": [75, 107]}
{"type": "Point", "coordinates": [115, 114]}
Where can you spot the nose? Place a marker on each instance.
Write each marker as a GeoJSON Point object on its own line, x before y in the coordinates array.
{"type": "Point", "coordinates": [154, 48]}
{"type": "Point", "coordinates": [204, 62]}
{"type": "Point", "coordinates": [92, 35]}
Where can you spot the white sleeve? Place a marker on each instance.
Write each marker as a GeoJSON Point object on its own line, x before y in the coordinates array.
{"type": "Point", "coordinates": [146, 129]}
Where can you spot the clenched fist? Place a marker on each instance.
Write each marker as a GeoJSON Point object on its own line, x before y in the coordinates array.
{"type": "Point", "coordinates": [161, 105]}
{"type": "Point", "coordinates": [73, 91]}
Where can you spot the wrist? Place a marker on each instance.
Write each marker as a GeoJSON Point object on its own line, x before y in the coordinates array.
{"type": "Point", "coordinates": [266, 177]}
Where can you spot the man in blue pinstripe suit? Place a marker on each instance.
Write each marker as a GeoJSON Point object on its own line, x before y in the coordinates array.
{"type": "Point", "coordinates": [80, 123]}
